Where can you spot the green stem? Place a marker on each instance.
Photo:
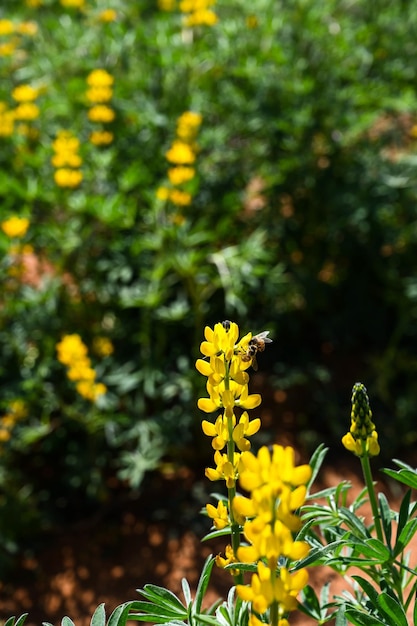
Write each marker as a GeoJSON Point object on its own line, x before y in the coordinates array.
{"type": "Point", "coordinates": [273, 614]}
{"type": "Point", "coordinates": [367, 474]}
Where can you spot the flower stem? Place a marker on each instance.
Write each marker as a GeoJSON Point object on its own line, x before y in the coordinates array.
{"type": "Point", "coordinates": [367, 474]}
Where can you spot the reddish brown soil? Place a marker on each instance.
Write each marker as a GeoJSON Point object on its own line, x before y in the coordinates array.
{"type": "Point", "coordinates": [106, 559]}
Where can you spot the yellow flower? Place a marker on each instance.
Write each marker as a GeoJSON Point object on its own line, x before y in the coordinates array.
{"type": "Point", "coordinates": [162, 193]}
{"type": "Point", "coordinates": [99, 94]}
{"type": "Point", "coordinates": [201, 18]}
{"type": "Point", "coordinates": [66, 158]}
{"type": "Point", "coordinates": [179, 175]}
{"type": "Point", "coordinates": [219, 515]}
{"type": "Point", "coordinates": [15, 226]}
{"type": "Point", "coordinates": [180, 198]}
{"type": "Point", "coordinates": [71, 349]}
{"type": "Point", "coordinates": [65, 177]}
{"type": "Point", "coordinates": [27, 28]}
{"type": "Point", "coordinates": [101, 137]}
{"type": "Point", "coordinates": [25, 93]}
{"type": "Point", "coordinates": [103, 346]}
{"type": "Point", "coordinates": [225, 469]}
{"type": "Point", "coordinates": [100, 78]}
{"type": "Point", "coordinates": [27, 111]}
{"type": "Point", "coordinates": [77, 4]}
{"type": "Point", "coordinates": [166, 5]}
{"type": "Point", "coordinates": [108, 15]}
{"type": "Point", "coordinates": [90, 391]}
{"type": "Point", "coordinates": [180, 153]}
{"type": "Point", "coordinates": [187, 126]}
{"type": "Point", "coordinates": [101, 113]}
{"type": "Point", "coordinates": [6, 27]}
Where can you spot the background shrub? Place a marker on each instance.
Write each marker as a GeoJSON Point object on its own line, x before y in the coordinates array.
{"type": "Point", "coordinates": [299, 218]}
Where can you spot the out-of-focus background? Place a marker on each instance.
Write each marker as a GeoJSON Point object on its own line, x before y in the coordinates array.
{"type": "Point", "coordinates": [167, 165]}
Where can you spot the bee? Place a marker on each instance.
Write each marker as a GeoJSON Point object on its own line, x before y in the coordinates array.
{"type": "Point", "coordinates": [255, 345]}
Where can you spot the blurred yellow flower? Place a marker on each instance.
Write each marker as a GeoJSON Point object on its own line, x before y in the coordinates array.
{"type": "Point", "coordinates": [108, 15]}
{"type": "Point", "coordinates": [8, 48]}
{"type": "Point", "coordinates": [162, 193]}
{"type": "Point", "coordinates": [180, 198]}
{"type": "Point", "coordinates": [103, 346]}
{"type": "Point", "coordinates": [101, 113]}
{"type": "Point", "coordinates": [33, 4]}
{"type": "Point", "coordinates": [201, 18]}
{"type": "Point", "coordinates": [180, 153]}
{"type": "Point", "coordinates": [166, 5]}
{"type": "Point", "coordinates": [6, 120]}
{"type": "Point", "coordinates": [27, 111]}
{"type": "Point", "coordinates": [99, 93]}
{"type": "Point", "coordinates": [180, 175]}
{"type": "Point", "coordinates": [65, 177]}
{"type": "Point", "coordinates": [6, 27]}
{"type": "Point", "coordinates": [100, 78]}
{"type": "Point", "coordinates": [77, 4]}
{"type": "Point", "coordinates": [25, 93]}
{"type": "Point", "coordinates": [101, 137]}
{"type": "Point", "coordinates": [15, 226]}
{"type": "Point", "coordinates": [27, 28]}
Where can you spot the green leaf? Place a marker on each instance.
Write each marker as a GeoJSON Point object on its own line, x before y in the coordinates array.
{"type": "Point", "coordinates": [67, 621]}
{"type": "Point", "coordinates": [167, 612]}
{"type": "Point", "coordinates": [406, 536]}
{"type": "Point", "coordinates": [340, 619]}
{"type": "Point", "coordinates": [374, 549]}
{"type": "Point", "coordinates": [406, 476]}
{"type": "Point", "coordinates": [403, 513]}
{"type": "Point", "coordinates": [216, 533]}
{"type": "Point", "coordinates": [386, 517]}
{"type": "Point", "coordinates": [362, 619]}
{"type": "Point", "coordinates": [355, 524]}
{"type": "Point", "coordinates": [309, 603]}
{"type": "Point", "coordinates": [119, 615]}
{"type": "Point", "coordinates": [203, 582]}
{"type": "Point", "coordinates": [368, 588]}
{"type": "Point", "coordinates": [162, 597]}
{"type": "Point", "coordinates": [187, 592]}
{"type": "Point", "coordinates": [316, 462]}
{"type": "Point", "coordinates": [392, 609]}
{"type": "Point", "coordinates": [99, 616]}
{"type": "Point", "coordinates": [20, 621]}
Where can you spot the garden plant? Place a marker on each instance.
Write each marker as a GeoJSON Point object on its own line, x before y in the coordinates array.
{"type": "Point", "coordinates": [281, 527]}
{"type": "Point", "coordinates": [168, 163]}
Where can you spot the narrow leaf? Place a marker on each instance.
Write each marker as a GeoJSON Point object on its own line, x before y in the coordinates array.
{"type": "Point", "coordinates": [362, 619]}
{"type": "Point", "coordinates": [403, 513]}
{"type": "Point", "coordinates": [368, 588]}
{"type": "Point", "coordinates": [99, 616]}
{"type": "Point", "coordinates": [160, 596]}
{"type": "Point", "coordinates": [406, 536]}
{"type": "Point", "coordinates": [203, 582]}
{"type": "Point", "coordinates": [119, 615]}
{"type": "Point", "coordinates": [163, 610]}
{"type": "Point", "coordinates": [20, 621]}
{"type": "Point", "coordinates": [405, 476]}
{"type": "Point", "coordinates": [186, 591]}
{"type": "Point", "coordinates": [392, 609]}
{"type": "Point", "coordinates": [316, 462]}
{"type": "Point", "coordinates": [355, 524]}
{"type": "Point", "coordinates": [386, 517]}
{"type": "Point", "coordinates": [67, 621]}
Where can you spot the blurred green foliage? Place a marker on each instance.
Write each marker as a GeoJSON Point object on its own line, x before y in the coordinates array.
{"type": "Point", "coordinates": [302, 221]}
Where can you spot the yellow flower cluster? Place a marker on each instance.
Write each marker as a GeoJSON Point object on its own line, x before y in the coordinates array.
{"type": "Point", "coordinates": [73, 353]}
{"type": "Point", "coordinates": [66, 160]}
{"type": "Point", "coordinates": [17, 410]}
{"type": "Point", "coordinates": [107, 15]}
{"type": "Point", "coordinates": [11, 33]}
{"type": "Point", "coordinates": [182, 155]}
{"type": "Point", "coordinates": [277, 489]}
{"type": "Point", "coordinates": [26, 109]}
{"type": "Point", "coordinates": [15, 226]}
{"type": "Point", "coordinates": [197, 12]}
{"type": "Point", "coordinates": [99, 93]}
{"type": "Point", "coordinates": [72, 4]}
{"type": "Point", "coordinates": [362, 438]}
